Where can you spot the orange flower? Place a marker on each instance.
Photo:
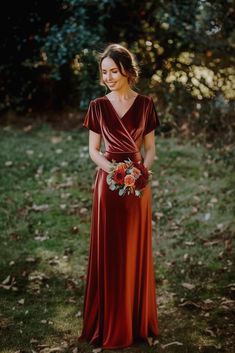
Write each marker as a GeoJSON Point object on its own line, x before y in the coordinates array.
{"type": "Point", "coordinates": [121, 166]}
{"type": "Point", "coordinates": [136, 172]}
{"type": "Point", "coordinates": [129, 180]}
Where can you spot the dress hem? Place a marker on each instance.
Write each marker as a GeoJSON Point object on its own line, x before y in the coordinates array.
{"type": "Point", "coordinates": [133, 342]}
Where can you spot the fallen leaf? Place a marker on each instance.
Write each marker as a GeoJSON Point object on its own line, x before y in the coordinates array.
{"type": "Point", "coordinates": [39, 208]}
{"type": "Point", "coordinates": [79, 313]}
{"type": "Point", "coordinates": [68, 184]}
{"type": "Point", "coordinates": [155, 183]}
{"type": "Point", "coordinates": [83, 210]}
{"type": "Point", "coordinates": [172, 343]}
{"type": "Point", "coordinates": [189, 286]}
{"type": "Point", "coordinates": [169, 203]}
{"type": "Point", "coordinates": [56, 139]}
{"type": "Point", "coordinates": [72, 300]}
{"type": "Point", "coordinates": [33, 340]}
{"type": "Point", "coordinates": [209, 243]}
{"type": "Point", "coordinates": [159, 215]}
{"type": "Point", "coordinates": [207, 304]}
{"type": "Point", "coordinates": [228, 244]}
{"type": "Point", "coordinates": [7, 280]}
{"type": "Point", "coordinates": [53, 262]}
{"type": "Point", "coordinates": [189, 243]}
{"type": "Point", "coordinates": [196, 198]}
{"type": "Point", "coordinates": [194, 209]}
{"type": "Point", "coordinates": [41, 238]}
{"type": "Point", "coordinates": [5, 286]}
{"type": "Point", "coordinates": [29, 152]}
{"type": "Point", "coordinates": [15, 289]}
{"type": "Point", "coordinates": [75, 230]}
{"type": "Point", "coordinates": [189, 303]}
{"type": "Point", "coordinates": [30, 259]}
{"type": "Point", "coordinates": [28, 128]}
{"type": "Point", "coordinates": [231, 285]}
{"type": "Point", "coordinates": [97, 350]}
{"type": "Point", "coordinates": [228, 302]}
{"type": "Point", "coordinates": [210, 332]}
{"type": "Point", "coordinates": [58, 151]}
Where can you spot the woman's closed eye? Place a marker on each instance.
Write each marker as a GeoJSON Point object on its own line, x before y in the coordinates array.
{"type": "Point", "coordinates": [114, 72]}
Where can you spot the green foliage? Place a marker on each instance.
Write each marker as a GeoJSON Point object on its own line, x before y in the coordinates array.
{"type": "Point", "coordinates": [185, 50]}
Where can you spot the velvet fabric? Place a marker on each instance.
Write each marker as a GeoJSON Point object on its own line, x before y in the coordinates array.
{"type": "Point", "coordinates": [120, 304]}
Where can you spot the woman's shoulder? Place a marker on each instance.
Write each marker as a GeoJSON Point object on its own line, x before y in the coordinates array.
{"type": "Point", "coordinates": [98, 99]}
{"type": "Point", "coordinates": [145, 97]}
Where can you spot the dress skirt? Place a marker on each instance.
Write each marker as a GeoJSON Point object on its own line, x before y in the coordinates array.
{"type": "Point", "coordinates": [120, 295]}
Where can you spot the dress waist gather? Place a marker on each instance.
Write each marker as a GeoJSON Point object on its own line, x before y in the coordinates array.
{"type": "Point", "coordinates": [121, 156]}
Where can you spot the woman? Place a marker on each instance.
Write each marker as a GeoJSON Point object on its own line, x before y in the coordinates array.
{"type": "Point", "coordinates": [120, 296]}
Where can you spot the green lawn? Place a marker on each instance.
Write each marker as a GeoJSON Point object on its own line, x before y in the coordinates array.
{"type": "Point", "coordinates": [45, 203]}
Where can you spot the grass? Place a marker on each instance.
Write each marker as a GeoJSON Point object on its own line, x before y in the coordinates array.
{"type": "Point", "coordinates": [45, 205]}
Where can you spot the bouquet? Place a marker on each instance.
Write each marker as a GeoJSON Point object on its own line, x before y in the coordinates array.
{"type": "Point", "coordinates": [128, 177]}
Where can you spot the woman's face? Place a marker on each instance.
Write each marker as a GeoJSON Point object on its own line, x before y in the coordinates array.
{"type": "Point", "coordinates": [111, 75]}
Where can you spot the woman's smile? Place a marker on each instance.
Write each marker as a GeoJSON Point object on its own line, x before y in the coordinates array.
{"type": "Point", "coordinates": [110, 71]}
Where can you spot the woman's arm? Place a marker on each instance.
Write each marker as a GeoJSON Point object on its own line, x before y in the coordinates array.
{"type": "Point", "coordinates": [94, 151]}
{"type": "Point", "coordinates": [149, 149]}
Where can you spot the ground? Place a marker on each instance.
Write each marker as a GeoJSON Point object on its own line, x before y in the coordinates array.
{"type": "Point", "coordinates": [45, 206]}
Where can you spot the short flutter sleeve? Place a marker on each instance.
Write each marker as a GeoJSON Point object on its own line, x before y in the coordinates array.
{"type": "Point", "coordinates": [152, 119]}
{"type": "Point", "coordinates": [91, 120]}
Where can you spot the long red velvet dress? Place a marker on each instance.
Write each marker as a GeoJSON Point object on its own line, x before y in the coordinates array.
{"type": "Point", "coordinates": [120, 296]}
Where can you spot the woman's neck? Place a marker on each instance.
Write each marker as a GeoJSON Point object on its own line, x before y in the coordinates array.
{"type": "Point", "coordinates": [123, 94]}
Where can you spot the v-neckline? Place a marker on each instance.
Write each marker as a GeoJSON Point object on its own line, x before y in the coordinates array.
{"type": "Point", "coordinates": [127, 109]}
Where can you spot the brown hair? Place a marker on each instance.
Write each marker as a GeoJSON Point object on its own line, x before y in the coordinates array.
{"type": "Point", "coordinates": [124, 60]}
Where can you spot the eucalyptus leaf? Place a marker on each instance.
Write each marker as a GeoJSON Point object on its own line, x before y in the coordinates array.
{"type": "Point", "coordinates": [121, 192]}
{"type": "Point", "coordinates": [137, 193]}
{"type": "Point", "coordinates": [109, 179]}
{"type": "Point", "coordinates": [112, 187]}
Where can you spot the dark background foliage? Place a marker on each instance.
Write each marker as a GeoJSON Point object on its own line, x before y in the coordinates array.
{"type": "Point", "coordinates": [185, 50]}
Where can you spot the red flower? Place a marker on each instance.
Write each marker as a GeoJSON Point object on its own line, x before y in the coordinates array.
{"type": "Point", "coordinates": [141, 182]}
{"type": "Point", "coordinates": [119, 176]}
{"type": "Point", "coordinates": [143, 169]}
